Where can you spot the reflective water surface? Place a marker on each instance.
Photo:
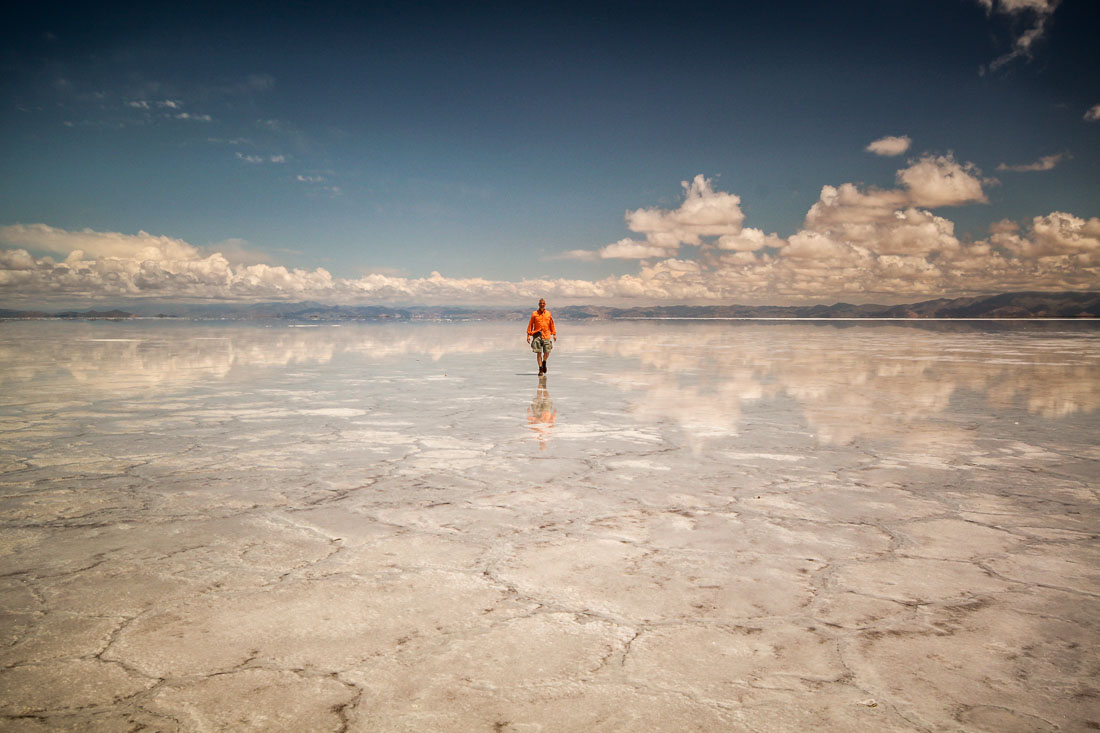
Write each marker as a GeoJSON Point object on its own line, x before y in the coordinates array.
{"type": "Point", "coordinates": [741, 525]}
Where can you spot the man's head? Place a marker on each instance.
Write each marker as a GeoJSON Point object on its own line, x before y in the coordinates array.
{"type": "Point", "coordinates": [542, 304]}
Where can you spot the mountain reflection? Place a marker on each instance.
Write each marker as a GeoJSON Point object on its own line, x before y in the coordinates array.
{"type": "Point", "coordinates": [849, 381]}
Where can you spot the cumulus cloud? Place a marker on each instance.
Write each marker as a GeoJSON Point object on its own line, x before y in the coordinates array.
{"type": "Point", "coordinates": [705, 216]}
{"type": "Point", "coordinates": [825, 251]}
{"type": "Point", "coordinates": [704, 213]}
{"type": "Point", "coordinates": [16, 259]}
{"type": "Point", "coordinates": [110, 264]}
{"type": "Point", "coordinates": [1093, 113]}
{"type": "Point", "coordinates": [1034, 13]}
{"type": "Point", "coordinates": [882, 221]}
{"type": "Point", "coordinates": [630, 249]}
{"type": "Point", "coordinates": [749, 240]}
{"type": "Point", "coordinates": [940, 180]}
{"type": "Point", "coordinates": [848, 207]}
{"type": "Point", "coordinates": [238, 252]}
{"type": "Point", "coordinates": [890, 145]}
{"type": "Point", "coordinates": [140, 246]}
{"type": "Point", "coordinates": [1045, 163]}
{"type": "Point", "coordinates": [856, 243]}
{"type": "Point", "coordinates": [1057, 234]}
{"type": "Point", "coordinates": [195, 117]}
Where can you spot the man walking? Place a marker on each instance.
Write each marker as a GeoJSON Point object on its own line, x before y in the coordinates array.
{"type": "Point", "coordinates": [540, 330]}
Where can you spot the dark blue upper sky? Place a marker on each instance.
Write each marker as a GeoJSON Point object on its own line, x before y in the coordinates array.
{"type": "Point", "coordinates": [486, 141]}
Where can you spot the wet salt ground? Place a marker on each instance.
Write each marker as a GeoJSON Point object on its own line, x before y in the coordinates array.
{"type": "Point", "coordinates": [689, 526]}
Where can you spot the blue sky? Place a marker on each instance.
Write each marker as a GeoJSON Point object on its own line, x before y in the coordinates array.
{"type": "Point", "coordinates": [623, 153]}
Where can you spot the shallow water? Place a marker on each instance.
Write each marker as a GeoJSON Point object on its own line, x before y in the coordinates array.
{"type": "Point", "coordinates": [720, 525]}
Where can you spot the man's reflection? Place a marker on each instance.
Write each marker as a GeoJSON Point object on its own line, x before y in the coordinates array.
{"type": "Point", "coordinates": [541, 414]}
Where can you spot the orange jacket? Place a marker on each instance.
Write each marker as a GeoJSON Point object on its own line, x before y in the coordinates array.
{"type": "Point", "coordinates": [541, 323]}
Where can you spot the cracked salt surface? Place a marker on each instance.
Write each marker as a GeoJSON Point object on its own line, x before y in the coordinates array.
{"type": "Point", "coordinates": [729, 526]}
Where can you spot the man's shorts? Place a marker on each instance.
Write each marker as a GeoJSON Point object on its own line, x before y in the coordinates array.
{"type": "Point", "coordinates": [538, 343]}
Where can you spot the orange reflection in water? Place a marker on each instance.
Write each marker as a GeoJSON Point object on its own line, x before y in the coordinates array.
{"type": "Point", "coordinates": [541, 414]}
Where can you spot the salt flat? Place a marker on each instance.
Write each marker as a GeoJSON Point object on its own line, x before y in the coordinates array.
{"type": "Point", "coordinates": [712, 526]}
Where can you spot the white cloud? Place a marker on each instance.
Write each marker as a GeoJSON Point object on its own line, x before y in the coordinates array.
{"type": "Point", "coordinates": [942, 181]}
{"type": "Point", "coordinates": [822, 250]}
{"type": "Point", "coordinates": [881, 221]}
{"type": "Point", "coordinates": [749, 240]}
{"type": "Point", "coordinates": [1045, 163]}
{"type": "Point", "coordinates": [1093, 113]}
{"type": "Point", "coordinates": [1058, 252]}
{"type": "Point", "coordinates": [584, 255]}
{"type": "Point", "coordinates": [916, 232]}
{"type": "Point", "coordinates": [142, 246]}
{"type": "Point", "coordinates": [238, 252]}
{"type": "Point", "coordinates": [310, 179]}
{"type": "Point", "coordinates": [1056, 235]}
{"type": "Point", "coordinates": [16, 259]}
{"type": "Point", "coordinates": [847, 206]}
{"type": "Point", "coordinates": [109, 264]}
{"type": "Point", "coordinates": [629, 249]}
{"type": "Point", "coordinates": [890, 145]}
{"type": "Point", "coordinates": [197, 118]}
{"type": "Point", "coordinates": [864, 243]}
{"type": "Point", "coordinates": [261, 159]}
{"type": "Point", "coordinates": [704, 213]}
{"type": "Point", "coordinates": [703, 217]}
{"type": "Point", "coordinates": [138, 104]}
{"type": "Point", "coordinates": [1038, 12]}
{"type": "Point", "coordinates": [894, 222]}
{"type": "Point", "coordinates": [856, 244]}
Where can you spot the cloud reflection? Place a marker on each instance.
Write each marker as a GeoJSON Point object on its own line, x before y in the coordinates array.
{"type": "Point", "coordinates": [849, 381]}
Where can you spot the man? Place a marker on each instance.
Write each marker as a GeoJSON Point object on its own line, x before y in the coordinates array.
{"type": "Point", "coordinates": [540, 329]}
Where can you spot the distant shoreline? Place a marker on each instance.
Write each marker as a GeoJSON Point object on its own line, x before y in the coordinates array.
{"type": "Point", "coordinates": [1005, 306]}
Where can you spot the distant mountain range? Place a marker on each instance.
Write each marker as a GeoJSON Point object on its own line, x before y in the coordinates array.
{"type": "Point", "coordinates": [91, 314]}
{"type": "Point", "coordinates": [1005, 305]}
